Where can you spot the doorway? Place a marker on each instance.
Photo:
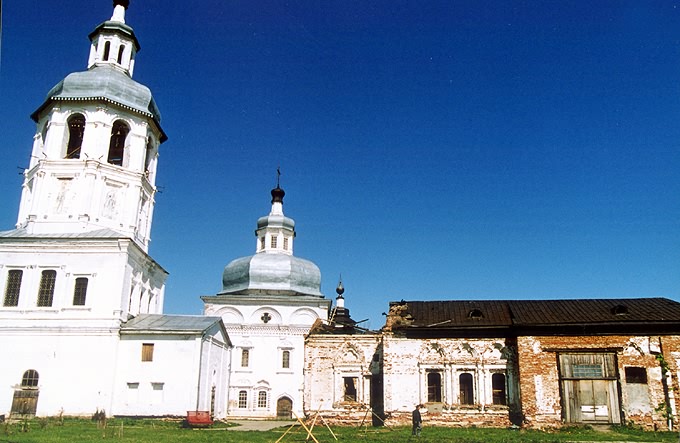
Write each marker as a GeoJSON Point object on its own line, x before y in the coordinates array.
{"type": "Point", "coordinates": [284, 408]}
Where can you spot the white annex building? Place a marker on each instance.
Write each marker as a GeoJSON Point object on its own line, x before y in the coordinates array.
{"type": "Point", "coordinates": [81, 322]}
{"type": "Point", "coordinates": [268, 304]}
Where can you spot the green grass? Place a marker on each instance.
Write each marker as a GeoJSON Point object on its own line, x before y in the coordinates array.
{"type": "Point", "coordinates": [160, 431]}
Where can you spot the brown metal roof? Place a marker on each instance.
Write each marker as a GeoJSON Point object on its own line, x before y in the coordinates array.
{"type": "Point", "coordinates": [476, 314]}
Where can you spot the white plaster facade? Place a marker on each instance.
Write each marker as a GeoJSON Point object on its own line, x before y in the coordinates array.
{"type": "Point", "coordinates": [269, 302]}
{"type": "Point", "coordinates": [82, 299]}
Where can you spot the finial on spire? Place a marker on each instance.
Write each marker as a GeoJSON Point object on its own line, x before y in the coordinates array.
{"type": "Point", "coordinates": [278, 193]}
{"type": "Point", "coordinates": [119, 7]}
{"type": "Point", "coordinates": [340, 289]}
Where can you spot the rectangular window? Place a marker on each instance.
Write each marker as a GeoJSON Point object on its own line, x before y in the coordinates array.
{"type": "Point", "coordinates": [13, 287]}
{"type": "Point", "coordinates": [245, 358]}
{"type": "Point", "coordinates": [498, 389]}
{"type": "Point", "coordinates": [587, 371]}
{"type": "Point", "coordinates": [434, 387]}
{"type": "Point", "coordinates": [467, 392]}
{"type": "Point", "coordinates": [285, 243]}
{"type": "Point", "coordinates": [636, 375]}
{"type": "Point", "coordinates": [262, 399]}
{"type": "Point", "coordinates": [285, 360]}
{"type": "Point", "coordinates": [274, 241]}
{"type": "Point", "coordinates": [46, 290]}
{"type": "Point", "coordinates": [242, 399]}
{"type": "Point", "coordinates": [147, 351]}
{"type": "Point", "coordinates": [80, 291]}
{"type": "Point", "coordinates": [350, 386]}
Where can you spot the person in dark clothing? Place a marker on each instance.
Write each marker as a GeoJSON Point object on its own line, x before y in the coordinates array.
{"type": "Point", "coordinates": [417, 420]}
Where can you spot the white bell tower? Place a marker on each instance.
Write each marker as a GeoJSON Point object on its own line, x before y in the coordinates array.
{"type": "Point", "coordinates": [95, 150]}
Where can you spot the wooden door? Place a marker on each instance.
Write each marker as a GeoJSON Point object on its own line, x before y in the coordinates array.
{"type": "Point", "coordinates": [25, 402]}
{"type": "Point", "coordinates": [284, 408]}
{"type": "Point", "coordinates": [589, 388]}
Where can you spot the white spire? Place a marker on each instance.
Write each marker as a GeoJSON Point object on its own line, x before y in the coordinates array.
{"type": "Point", "coordinates": [118, 13]}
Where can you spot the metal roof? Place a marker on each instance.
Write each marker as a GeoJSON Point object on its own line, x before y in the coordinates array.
{"type": "Point", "coordinates": [538, 313]}
{"type": "Point", "coordinates": [99, 233]}
{"type": "Point", "coordinates": [157, 323]}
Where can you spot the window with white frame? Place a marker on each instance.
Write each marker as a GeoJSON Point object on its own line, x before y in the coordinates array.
{"type": "Point", "coordinates": [242, 399]}
{"type": "Point", "coordinates": [498, 393]}
{"type": "Point", "coordinates": [80, 291]}
{"type": "Point", "coordinates": [13, 287]}
{"type": "Point", "coordinates": [466, 388]}
{"type": "Point", "coordinates": [434, 387]}
{"type": "Point", "coordinates": [285, 359]}
{"type": "Point", "coordinates": [350, 385]}
{"type": "Point", "coordinates": [245, 358]}
{"type": "Point", "coordinates": [262, 399]}
{"type": "Point", "coordinates": [48, 279]}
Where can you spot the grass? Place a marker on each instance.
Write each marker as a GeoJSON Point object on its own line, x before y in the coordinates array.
{"type": "Point", "coordinates": [44, 430]}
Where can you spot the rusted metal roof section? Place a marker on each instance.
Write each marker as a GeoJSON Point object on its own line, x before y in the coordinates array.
{"type": "Point", "coordinates": [559, 316]}
{"type": "Point", "coordinates": [552, 312]}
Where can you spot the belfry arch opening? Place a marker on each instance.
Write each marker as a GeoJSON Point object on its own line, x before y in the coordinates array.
{"type": "Point", "coordinates": [76, 131]}
{"type": "Point", "coordinates": [119, 133]}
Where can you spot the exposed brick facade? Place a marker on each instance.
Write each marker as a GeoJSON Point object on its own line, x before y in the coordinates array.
{"type": "Point", "coordinates": [546, 379]}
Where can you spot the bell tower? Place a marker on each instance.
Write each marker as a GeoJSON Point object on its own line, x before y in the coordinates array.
{"type": "Point", "coordinates": [95, 149]}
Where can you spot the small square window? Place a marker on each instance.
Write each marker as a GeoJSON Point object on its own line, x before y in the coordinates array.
{"type": "Point", "coordinates": [636, 375]}
{"type": "Point", "coordinates": [147, 352]}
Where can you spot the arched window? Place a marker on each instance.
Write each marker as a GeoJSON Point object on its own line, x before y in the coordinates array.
{"type": "Point", "coordinates": [262, 399]}
{"type": "Point", "coordinates": [76, 130]}
{"type": "Point", "coordinates": [498, 388]}
{"type": "Point", "coordinates": [107, 50]}
{"type": "Point", "coordinates": [285, 359]}
{"type": "Point", "coordinates": [30, 379]}
{"type": "Point", "coordinates": [466, 389]}
{"type": "Point", "coordinates": [242, 399]}
{"type": "Point", "coordinates": [121, 50]}
{"type": "Point", "coordinates": [434, 387]}
{"type": "Point", "coordinates": [119, 133]}
{"type": "Point", "coordinates": [245, 358]}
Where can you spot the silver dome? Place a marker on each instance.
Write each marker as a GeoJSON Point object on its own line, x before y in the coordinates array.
{"type": "Point", "coordinates": [104, 83]}
{"type": "Point", "coordinates": [271, 273]}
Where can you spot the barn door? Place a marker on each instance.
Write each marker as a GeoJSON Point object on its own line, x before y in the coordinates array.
{"type": "Point", "coordinates": [589, 388]}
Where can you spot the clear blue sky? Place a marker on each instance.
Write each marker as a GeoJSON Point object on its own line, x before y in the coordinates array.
{"type": "Point", "coordinates": [429, 149]}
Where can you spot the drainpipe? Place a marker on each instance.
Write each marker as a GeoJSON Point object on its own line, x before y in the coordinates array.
{"type": "Point", "coordinates": [200, 370]}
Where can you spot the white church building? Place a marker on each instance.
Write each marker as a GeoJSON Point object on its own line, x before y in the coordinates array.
{"type": "Point", "coordinates": [268, 303]}
{"type": "Point", "coordinates": [81, 322]}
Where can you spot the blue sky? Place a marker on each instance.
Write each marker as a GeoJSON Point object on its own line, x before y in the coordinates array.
{"type": "Point", "coordinates": [429, 149]}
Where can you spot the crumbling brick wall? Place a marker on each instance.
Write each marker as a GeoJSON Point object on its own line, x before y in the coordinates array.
{"type": "Point", "coordinates": [542, 405]}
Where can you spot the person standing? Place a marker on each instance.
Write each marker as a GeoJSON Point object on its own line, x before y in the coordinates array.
{"type": "Point", "coordinates": [417, 421]}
